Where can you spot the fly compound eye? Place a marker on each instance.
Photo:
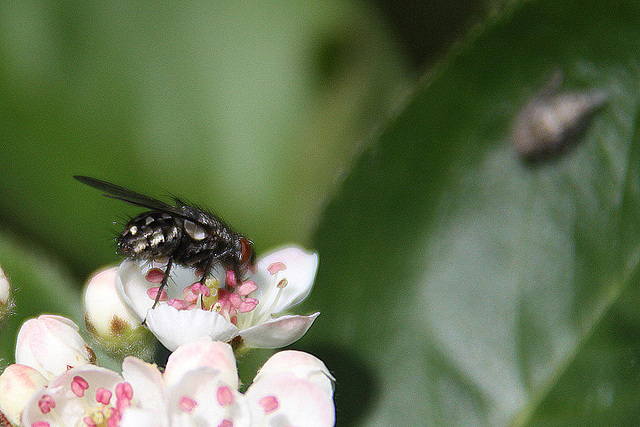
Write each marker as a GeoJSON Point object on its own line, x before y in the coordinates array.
{"type": "Point", "coordinates": [246, 251]}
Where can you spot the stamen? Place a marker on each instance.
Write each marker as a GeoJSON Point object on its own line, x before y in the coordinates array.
{"type": "Point", "coordinates": [155, 275]}
{"type": "Point", "coordinates": [46, 404]}
{"type": "Point", "coordinates": [224, 395]}
{"type": "Point", "coordinates": [88, 421]}
{"type": "Point", "coordinates": [187, 404]}
{"type": "Point", "coordinates": [283, 283]}
{"type": "Point", "coordinates": [276, 267]}
{"type": "Point", "coordinates": [226, 423]}
{"type": "Point", "coordinates": [153, 292]}
{"type": "Point", "coordinates": [79, 385]}
{"type": "Point", "coordinates": [40, 424]}
{"type": "Point", "coordinates": [103, 396]}
{"type": "Point", "coordinates": [269, 404]}
{"type": "Point", "coordinates": [247, 287]}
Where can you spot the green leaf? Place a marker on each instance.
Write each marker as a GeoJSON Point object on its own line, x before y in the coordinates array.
{"type": "Point", "coordinates": [39, 286]}
{"type": "Point", "coordinates": [461, 286]}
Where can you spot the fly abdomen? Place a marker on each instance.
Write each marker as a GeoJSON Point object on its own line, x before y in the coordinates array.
{"type": "Point", "coordinates": [150, 235]}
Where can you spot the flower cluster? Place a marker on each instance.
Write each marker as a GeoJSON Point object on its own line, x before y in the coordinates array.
{"type": "Point", "coordinates": [56, 382]}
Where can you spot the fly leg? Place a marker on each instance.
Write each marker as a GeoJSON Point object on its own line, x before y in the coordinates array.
{"type": "Point", "coordinates": [163, 284]}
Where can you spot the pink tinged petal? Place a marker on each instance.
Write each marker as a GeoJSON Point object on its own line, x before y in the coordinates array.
{"type": "Point", "coordinates": [106, 314]}
{"type": "Point", "coordinates": [51, 344]}
{"type": "Point", "coordinates": [103, 396]}
{"type": "Point", "coordinates": [302, 365]}
{"type": "Point", "coordinates": [299, 402]}
{"type": "Point", "coordinates": [202, 353]}
{"type": "Point", "coordinates": [146, 381]}
{"type": "Point", "coordinates": [280, 332]}
{"type": "Point", "coordinates": [79, 385]}
{"type": "Point", "coordinates": [299, 276]}
{"type": "Point", "coordinates": [187, 404]}
{"type": "Point", "coordinates": [17, 384]}
{"type": "Point", "coordinates": [177, 327]}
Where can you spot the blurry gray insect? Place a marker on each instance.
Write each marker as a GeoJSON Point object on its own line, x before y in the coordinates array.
{"type": "Point", "coordinates": [552, 121]}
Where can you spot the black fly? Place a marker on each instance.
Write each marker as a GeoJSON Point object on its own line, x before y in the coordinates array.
{"type": "Point", "coordinates": [182, 234]}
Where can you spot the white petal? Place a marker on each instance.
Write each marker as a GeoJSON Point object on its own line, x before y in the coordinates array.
{"type": "Point", "coordinates": [103, 305]}
{"type": "Point", "coordinates": [146, 381]}
{"type": "Point", "coordinates": [51, 344]}
{"type": "Point", "coordinates": [216, 355]}
{"type": "Point", "coordinates": [303, 365]}
{"type": "Point", "coordinates": [17, 385]}
{"type": "Point", "coordinates": [176, 327]}
{"type": "Point", "coordinates": [276, 333]}
{"type": "Point", "coordinates": [136, 417]}
{"type": "Point", "coordinates": [5, 289]}
{"type": "Point", "coordinates": [300, 273]}
{"type": "Point", "coordinates": [201, 387]}
{"type": "Point", "coordinates": [293, 401]}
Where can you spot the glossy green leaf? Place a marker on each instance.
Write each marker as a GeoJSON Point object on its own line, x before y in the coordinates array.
{"type": "Point", "coordinates": [462, 286]}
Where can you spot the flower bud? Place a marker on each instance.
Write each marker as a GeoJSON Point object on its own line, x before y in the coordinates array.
{"type": "Point", "coordinates": [113, 326]}
{"type": "Point", "coordinates": [17, 385]}
{"type": "Point", "coordinates": [5, 294]}
{"type": "Point", "coordinates": [51, 345]}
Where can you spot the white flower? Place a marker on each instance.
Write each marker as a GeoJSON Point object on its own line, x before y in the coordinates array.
{"type": "Point", "coordinates": [88, 395]}
{"type": "Point", "coordinates": [191, 310]}
{"type": "Point", "coordinates": [199, 388]}
{"type": "Point", "coordinates": [51, 345]}
{"type": "Point", "coordinates": [109, 320]}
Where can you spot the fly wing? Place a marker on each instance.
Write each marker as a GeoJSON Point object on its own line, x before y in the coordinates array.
{"type": "Point", "coordinates": [120, 193]}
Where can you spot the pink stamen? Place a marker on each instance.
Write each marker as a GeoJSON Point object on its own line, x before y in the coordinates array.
{"type": "Point", "coordinates": [79, 385]}
{"type": "Point", "coordinates": [235, 300]}
{"type": "Point", "coordinates": [276, 267]}
{"type": "Point", "coordinates": [103, 396]}
{"type": "Point", "coordinates": [124, 391]}
{"type": "Point", "coordinates": [224, 395]}
{"type": "Point", "coordinates": [226, 423]}
{"type": "Point", "coordinates": [88, 421]}
{"type": "Point", "coordinates": [46, 404]}
{"type": "Point", "coordinates": [269, 404]}
{"type": "Point", "coordinates": [155, 275]}
{"type": "Point", "coordinates": [153, 293]}
{"type": "Point", "coordinates": [248, 305]}
{"type": "Point", "coordinates": [178, 304]}
{"type": "Point", "coordinates": [247, 287]}
{"type": "Point", "coordinates": [40, 424]}
{"type": "Point", "coordinates": [187, 404]}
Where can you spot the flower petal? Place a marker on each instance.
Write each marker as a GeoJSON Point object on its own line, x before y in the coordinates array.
{"type": "Point", "coordinates": [17, 385]}
{"type": "Point", "coordinates": [132, 285]}
{"type": "Point", "coordinates": [216, 355]}
{"type": "Point", "coordinates": [288, 400]}
{"type": "Point", "coordinates": [146, 381]}
{"type": "Point", "coordinates": [136, 417]}
{"type": "Point", "coordinates": [299, 274]}
{"type": "Point", "coordinates": [176, 327]}
{"type": "Point", "coordinates": [280, 332]}
{"type": "Point", "coordinates": [51, 344]}
{"type": "Point", "coordinates": [202, 398]}
{"type": "Point", "coordinates": [302, 365]}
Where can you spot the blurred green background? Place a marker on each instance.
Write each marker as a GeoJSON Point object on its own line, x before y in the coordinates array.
{"type": "Point", "coordinates": [457, 285]}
